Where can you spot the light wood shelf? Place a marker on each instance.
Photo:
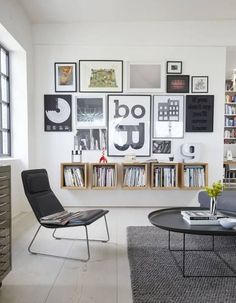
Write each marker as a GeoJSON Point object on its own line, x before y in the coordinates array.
{"type": "Point", "coordinates": [75, 174]}
{"type": "Point", "coordinates": [164, 175]}
{"type": "Point", "coordinates": [103, 176]}
{"type": "Point", "coordinates": [193, 176]}
{"type": "Point", "coordinates": [135, 174]}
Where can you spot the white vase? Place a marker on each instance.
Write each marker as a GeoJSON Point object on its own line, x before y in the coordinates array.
{"type": "Point", "coordinates": [213, 206]}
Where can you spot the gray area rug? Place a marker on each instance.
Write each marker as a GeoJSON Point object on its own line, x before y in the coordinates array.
{"type": "Point", "coordinates": [155, 276]}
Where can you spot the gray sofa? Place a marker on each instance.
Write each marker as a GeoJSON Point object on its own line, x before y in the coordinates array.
{"type": "Point", "coordinates": [226, 201]}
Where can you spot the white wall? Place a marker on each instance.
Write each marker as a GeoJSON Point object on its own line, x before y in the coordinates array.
{"type": "Point", "coordinates": [129, 42]}
{"type": "Point", "coordinates": [15, 35]}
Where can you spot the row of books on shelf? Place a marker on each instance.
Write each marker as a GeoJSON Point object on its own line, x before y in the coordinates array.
{"type": "Point", "coordinates": [62, 218]}
{"type": "Point", "coordinates": [202, 217]}
{"type": "Point", "coordinates": [230, 98]}
{"type": "Point", "coordinates": [230, 121]}
{"type": "Point", "coordinates": [230, 110]}
{"type": "Point", "coordinates": [134, 176]}
{"type": "Point", "coordinates": [194, 176]}
{"type": "Point", "coordinates": [74, 176]}
{"type": "Point", "coordinates": [230, 133]}
{"type": "Point", "coordinates": [165, 177]}
{"type": "Point", "coordinates": [103, 176]}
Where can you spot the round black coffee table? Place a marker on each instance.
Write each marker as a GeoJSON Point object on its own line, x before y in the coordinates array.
{"type": "Point", "coordinates": [170, 219]}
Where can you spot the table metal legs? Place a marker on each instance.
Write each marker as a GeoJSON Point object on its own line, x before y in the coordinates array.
{"type": "Point", "coordinates": [184, 251]}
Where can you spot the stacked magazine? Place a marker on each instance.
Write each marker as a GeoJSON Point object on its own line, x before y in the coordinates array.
{"type": "Point", "coordinates": [61, 218]}
{"type": "Point", "coordinates": [201, 217]}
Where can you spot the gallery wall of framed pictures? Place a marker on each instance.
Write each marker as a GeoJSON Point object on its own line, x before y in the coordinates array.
{"type": "Point", "coordinates": [157, 105]}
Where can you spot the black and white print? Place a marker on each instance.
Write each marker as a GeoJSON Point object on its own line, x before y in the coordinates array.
{"type": "Point", "coordinates": [168, 116]}
{"type": "Point", "coordinates": [129, 125]}
{"type": "Point", "coordinates": [161, 147]}
{"type": "Point", "coordinates": [199, 84]}
{"type": "Point", "coordinates": [90, 112]}
{"type": "Point", "coordinates": [57, 113]}
{"type": "Point", "coordinates": [92, 139]}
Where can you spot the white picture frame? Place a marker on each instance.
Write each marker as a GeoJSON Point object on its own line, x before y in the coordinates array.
{"type": "Point", "coordinates": [129, 118]}
{"type": "Point", "coordinates": [168, 116]}
{"type": "Point", "coordinates": [145, 77]}
{"type": "Point", "coordinates": [199, 84]}
{"type": "Point", "coordinates": [90, 111]}
{"type": "Point", "coordinates": [101, 76]}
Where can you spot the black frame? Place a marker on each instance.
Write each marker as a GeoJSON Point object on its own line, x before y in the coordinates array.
{"type": "Point", "coordinates": [55, 77]}
{"type": "Point", "coordinates": [169, 63]}
{"type": "Point", "coordinates": [150, 117]}
{"type": "Point", "coordinates": [51, 126]}
{"type": "Point", "coordinates": [101, 91]}
{"type": "Point", "coordinates": [205, 111]}
{"type": "Point", "coordinates": [7, 130]}
{"type": "Point", "coordinates": [201, 91]}
{"type": "Point", "coordinates": [171, 78]}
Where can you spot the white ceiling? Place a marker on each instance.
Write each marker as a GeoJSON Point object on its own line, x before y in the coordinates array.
{"type": "Point", "coordinates": [69, 11]}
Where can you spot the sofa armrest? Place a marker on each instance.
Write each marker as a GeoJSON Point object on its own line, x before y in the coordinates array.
{"type": "Point", "coordinates": [204, 199]}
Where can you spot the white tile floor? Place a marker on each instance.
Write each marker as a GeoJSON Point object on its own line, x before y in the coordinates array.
{"type": "Point", "coordinates": [104, 279]}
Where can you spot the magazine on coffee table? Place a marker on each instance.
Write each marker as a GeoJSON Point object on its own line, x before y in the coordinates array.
{"type": "Point", "coordinates": [202, 217]}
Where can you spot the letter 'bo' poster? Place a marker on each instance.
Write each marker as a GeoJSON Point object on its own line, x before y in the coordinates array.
{"type": "Point", "coordinates": [129, 125]}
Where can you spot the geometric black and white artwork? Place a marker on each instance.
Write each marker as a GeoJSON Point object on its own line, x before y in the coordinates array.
{"type": "Point", "coordinates": [90, 112]}
{"type": "Point", "coordinates": [161, 147]}
{"type": "Point", "coordinates": [168, 116]}
{"type": "Point", "coordinates": [129, 125]}
{"type": "Point", "coordinates": [57, 113]}
{"type": "Point", "coordinates": [92, 139]}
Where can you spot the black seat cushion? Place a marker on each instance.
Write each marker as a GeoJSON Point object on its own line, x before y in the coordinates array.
{"type": "Point", "coordinates": [37, 183]}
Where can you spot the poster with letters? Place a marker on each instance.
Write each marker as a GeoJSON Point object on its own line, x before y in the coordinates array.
{"type": "Point", "coordinates": [129, 125]}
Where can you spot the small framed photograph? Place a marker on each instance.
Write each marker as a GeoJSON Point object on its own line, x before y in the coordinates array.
{"type": "Point", "coordinates": [177, 84]}
{"type": "Point", "coordinates": [65, 77]}
{"type": "Point", "coordinates": [199, 84]}
{"type": "Point", "coordinates": [101, 76]}
{"type": "Point", "coordinates": [174, 67]}
{"type": "Point", "coordinates": [161, 147]}
{"type": "Point", "coordinates": [146, 77]}
{"type": "Point", "coordinates": [90, 111]}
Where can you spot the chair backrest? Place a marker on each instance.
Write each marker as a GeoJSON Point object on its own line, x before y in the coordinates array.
{"type": "Point", "coordinates": [39, 194]}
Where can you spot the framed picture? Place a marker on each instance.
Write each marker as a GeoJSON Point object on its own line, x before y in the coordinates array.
{"type": "Point", "coordinates": [161, 147]}
{"type": "Point", "coordinates": [146, 77]}
{"type": "Point", "coordinates": [199, 113]}
{"type": "Point", "coordinates": [177, 84]}
{"type": "Point", "coordinates": [90, 111]}
{"type": "Point", "coordinates": [65, 77]}
{"type": "Point", "coordinates": [168, 112]}
{"type": "Point", "coordinates": [101, 76]}
{"type": "Point", "coordinates": [129, 125]}
{"type": "Point", "coordinates": [174, 67]}
{"type": "Point", "coordinates": [92, 139]}
{"type": "Point", "coordinates": [57, 113]}
{"type": "Point", "coordinates": [199, 84]}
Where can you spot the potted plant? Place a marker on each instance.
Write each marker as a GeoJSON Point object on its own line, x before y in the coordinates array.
{"type": "Point", "coordinates": [213, 192]}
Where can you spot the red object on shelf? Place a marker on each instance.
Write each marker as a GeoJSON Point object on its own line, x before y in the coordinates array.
{"type": "Point", "coordinates": [103, 159]}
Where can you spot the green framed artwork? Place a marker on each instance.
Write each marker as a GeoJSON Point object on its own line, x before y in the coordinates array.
{"type": "Point", "coordinates": [101, 76]}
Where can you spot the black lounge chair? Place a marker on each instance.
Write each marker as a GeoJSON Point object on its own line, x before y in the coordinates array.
{"type": "Point", "coordinates": [44, 203]}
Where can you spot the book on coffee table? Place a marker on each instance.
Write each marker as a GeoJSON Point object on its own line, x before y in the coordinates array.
{"type": "Point", "coordinates": [202, 217]}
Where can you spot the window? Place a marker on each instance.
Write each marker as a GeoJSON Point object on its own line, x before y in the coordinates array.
{"type": "Point", "coordinates": [5, 134]}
